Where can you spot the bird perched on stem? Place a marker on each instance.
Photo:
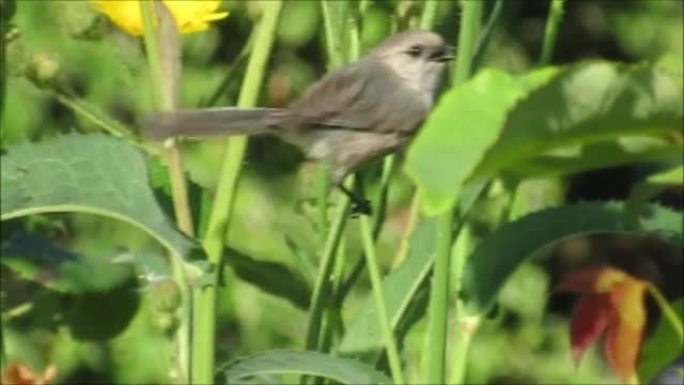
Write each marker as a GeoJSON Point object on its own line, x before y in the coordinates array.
{"type": "Point", "coordinates": [359, 113]}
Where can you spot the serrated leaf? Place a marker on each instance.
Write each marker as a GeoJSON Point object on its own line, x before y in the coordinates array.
{"type": "Point", "coordinates": [343, 370]}
{"type": "Point", "coordinates": [497, 256]}
{"type": "Point", "coordinates": [93, 174]}
{"type": "Point", "coordinates": [650, 187]}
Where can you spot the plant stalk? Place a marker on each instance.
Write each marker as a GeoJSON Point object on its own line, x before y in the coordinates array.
{"type": "Point", "coordinates": [219, 219]}
{"type": "Point", "coordinates": [551, 31]}
{"type": "Point", "coordinates": [381, 309]}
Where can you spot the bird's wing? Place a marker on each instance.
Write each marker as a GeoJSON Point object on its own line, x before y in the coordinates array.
{"type": "Point", "coordinates": [361, 96]}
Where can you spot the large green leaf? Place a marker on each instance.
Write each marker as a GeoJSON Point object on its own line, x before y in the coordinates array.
{"type": "Point", "coordinates": [587, 102]}
{"type": "Point", "coordinates": [93, 174]}
{"type": "Point", "coordinates": [497, 256]}
{"type": "Point", "coordinates": [343, 370]}
{"type": "Point", "coordinates": [464, 124]}
{"type": "Point", "coordinates": [495, 123]}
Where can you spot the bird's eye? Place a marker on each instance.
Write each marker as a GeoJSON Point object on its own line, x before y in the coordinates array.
{"type": "Point", "coordinates": [415, 51]}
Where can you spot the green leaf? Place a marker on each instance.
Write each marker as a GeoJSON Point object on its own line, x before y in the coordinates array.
{"type": "Point", "coordinates": [650, 187]}
{"type": "Point", "coordinates": [466, 122]}
{"type": "Point", "coordinates": [363, 337]}
{"type": "Point", "coordinates": [37, 258]}
{"type": "Point", "coordinates": [102, 315]}
{"type": "Point", "coordinates": [497, 256]}
{"type": "Point", "coordinates": [621, 151]}
{"type": "Point", "coordinates": [587, 102]}
{"type": "Point", "coordinates": [342, 370]}
{"type": "Point", "coordinates": [271, 277]}
{"type": "Point", "coordinates": [662, 347]}
{"type": "Point", "coordinates": [93, 174]}
{"type": "Point", "coordinates": [497, 124]}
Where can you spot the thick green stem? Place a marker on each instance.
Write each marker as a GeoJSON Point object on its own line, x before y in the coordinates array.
{"type": "Point", "coordinates": [163, 57]}
{"type": "Point", "coordinates": [438, 311]}
{"type": "Point", "coordinates": [551, 31]}
{"type": "Point", "coordinates": [381, 309]}
{"type": "Point", "coordinates": [437, 317]}
{"type": "Point", "coordinates": [205, 296]}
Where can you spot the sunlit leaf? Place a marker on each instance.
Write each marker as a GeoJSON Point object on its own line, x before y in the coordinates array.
{"type": "Point", "coordinates": [496, 124]}
{"type": "Point", "coordinates": [466, 122]}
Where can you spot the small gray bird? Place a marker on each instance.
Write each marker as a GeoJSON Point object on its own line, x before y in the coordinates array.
{"type": "Point", "coordinates": [351, 116]}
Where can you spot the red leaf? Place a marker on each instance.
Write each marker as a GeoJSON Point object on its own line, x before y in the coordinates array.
{"type": "Point", "coordinates": [589, 318]}
{"type": "Point", "coordinates": [625, 330]}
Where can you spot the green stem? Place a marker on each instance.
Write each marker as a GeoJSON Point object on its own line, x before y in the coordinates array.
{"type": "Point", "coordinates": [487, 33]}
{"type": "Point", "coordinates": [383, 319]}
{"type": "Point", "coordinates": [332, 35]}
{"type": "Point", "coordinates": [427, 18]}
{"type": "Point", "coordinates": [437, 316]}
{"type": "Point", "coordinates": [205, 297]}
{"type": "Point", "coordinates": [166, 98]}
{"type": "Point", "coordinates": [163, 56]}
{"type": "Point", "coordinates": [153, 54]}
{"type": "Point", "coordinates": [466, 325]}
{"type": "Point", "coordinates": [327, 263]}
{"type": "Point", "coordinates": [80, 107]}
{"type": "Point", "coordinates": [668, 312]}
{"type": "Point", "coordinates": [551, 32]}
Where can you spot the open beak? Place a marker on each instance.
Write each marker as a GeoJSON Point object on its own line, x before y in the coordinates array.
{"type": "Point", "coordinates": [443, 54]}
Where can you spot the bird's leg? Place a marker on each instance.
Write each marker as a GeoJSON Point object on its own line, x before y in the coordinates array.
{"type": "Point", "coordinates": [360, 205]}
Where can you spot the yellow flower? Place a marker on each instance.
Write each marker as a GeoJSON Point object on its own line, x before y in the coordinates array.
{"type": "Point", "coordinates": [190, 15]}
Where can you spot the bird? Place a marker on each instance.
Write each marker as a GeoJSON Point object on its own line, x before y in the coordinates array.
{"type": "Point", "coordinates": [354, 115]}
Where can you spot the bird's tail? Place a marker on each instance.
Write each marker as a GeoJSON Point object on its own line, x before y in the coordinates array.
{"type": "Point", "coordinates": [211, 122]}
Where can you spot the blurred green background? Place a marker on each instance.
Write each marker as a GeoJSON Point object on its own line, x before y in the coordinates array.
{"type": "Point", "coordinates": [96, 321]}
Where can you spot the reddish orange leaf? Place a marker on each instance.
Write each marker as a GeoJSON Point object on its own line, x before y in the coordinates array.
{"type": "Point", "coordinates": [613, 301]}
{"type": "Point", "coordinates": [18, 374]}
{"type": "Point", "coordinates": [595, 280]}
{"type": "Point", "coordinates": [590, 318]}
{"type": "Point", "coordinates": [625, 331]}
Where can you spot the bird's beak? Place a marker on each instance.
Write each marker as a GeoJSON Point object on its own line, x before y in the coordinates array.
{"type": "Point", "coordinates": [443, 55]}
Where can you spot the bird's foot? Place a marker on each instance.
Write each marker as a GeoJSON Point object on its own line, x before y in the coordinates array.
{"type": "Point", "coordinates": [359, 204]}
